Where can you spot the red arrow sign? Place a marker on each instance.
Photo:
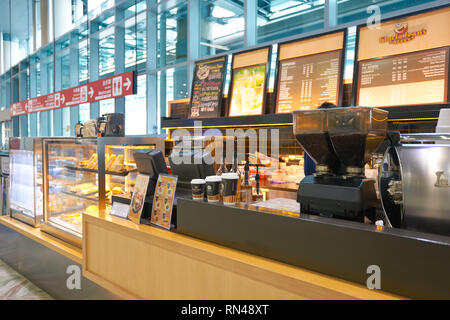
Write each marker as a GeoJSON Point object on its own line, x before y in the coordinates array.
{"type": "Point", "coordinates": [19, 108]}
{"type": "Point", "coordinates": [112, 87]}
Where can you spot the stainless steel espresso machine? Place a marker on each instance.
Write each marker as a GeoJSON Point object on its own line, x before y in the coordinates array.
{"type": "Point", "coordinates": [414, 183]}
{"type": "Point", "coordinates": [340, 141]}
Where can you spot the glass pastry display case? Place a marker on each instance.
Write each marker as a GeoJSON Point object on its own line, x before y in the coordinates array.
{"type": "Point", "coordinates": [82, 176]}
{"type": "Point", "coordinates": [25, 187]}
{"type": "Point", "coordinates": [70, 185]}
{"type": "Point", "coordinates": [116, 161]}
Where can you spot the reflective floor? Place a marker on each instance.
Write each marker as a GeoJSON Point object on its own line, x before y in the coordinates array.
{"type": "Point", "coordinates": [14, 286]}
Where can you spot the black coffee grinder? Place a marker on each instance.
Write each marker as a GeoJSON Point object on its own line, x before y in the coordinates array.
{"type": "Point", "coordinates": [340, 141]}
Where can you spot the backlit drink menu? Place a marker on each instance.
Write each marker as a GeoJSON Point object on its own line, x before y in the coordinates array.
{"type": "Point", "coordinates": [307, 82]}
{"type": "Point", "coordinates": [407, 79]}
{"type": "Point", "coordinates": [207, 88]}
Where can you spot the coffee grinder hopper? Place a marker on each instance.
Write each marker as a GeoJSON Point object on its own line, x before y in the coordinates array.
{"type": "Point", "coordinates": [311, 132]}
{"type": "Point", "coordinates": [355, 133]}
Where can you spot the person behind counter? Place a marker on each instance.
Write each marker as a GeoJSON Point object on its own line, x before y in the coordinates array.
{"type": "Point", "coordinates": [309, 164]}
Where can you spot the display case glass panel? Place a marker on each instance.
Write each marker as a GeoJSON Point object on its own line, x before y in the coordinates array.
{"type": "Point", "coordinates": [25, 188]}
{"type": "Point", "coordinates": [119, 173]}
{"type": "Point", "coordinates": [121, 182]}
{"type": "Point", "coordinates": [71, 186]}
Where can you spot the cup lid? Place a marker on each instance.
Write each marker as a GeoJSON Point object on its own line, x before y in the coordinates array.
{"type": "Point", "coordinates": [197, 181]}
{"type": "Point", "coordinates": [230, 175]}
{"type": "Point", "coordinates": [213, 179]}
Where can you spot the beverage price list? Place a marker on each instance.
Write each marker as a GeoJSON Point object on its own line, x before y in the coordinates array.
{"type": "Point", "coordinates": [412, 78]}
{"type": "Point", "coordinates": [307, 82]}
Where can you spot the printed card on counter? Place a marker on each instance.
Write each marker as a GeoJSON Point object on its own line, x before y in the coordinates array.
{"type": "Point", "coordinates": [120, 210]}
{"type": "Point", "coordinates": [163, 200]}
{"type": "Point", "coordinates": [138, 199]}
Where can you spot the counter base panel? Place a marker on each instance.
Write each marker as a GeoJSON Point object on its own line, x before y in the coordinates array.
{"type": "Point", "coordinates": [69, 251]}
{"type": "Point", "coordinates": [45, 267]}
{"type": "Point", "coordinates": [410, 265]}
{"type": "Point", "coordinates": [139, 261]}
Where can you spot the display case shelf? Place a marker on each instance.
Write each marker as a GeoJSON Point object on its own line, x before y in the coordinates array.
{"type": "Point", "coordinates": [68, 210]}
{"type": "Point", "coordinates": [80, 196]}
{"type": "Point", "coordinates": [112, 173]}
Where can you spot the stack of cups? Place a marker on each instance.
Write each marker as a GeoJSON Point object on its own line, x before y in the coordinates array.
{"type": "Point", "coordinates": [213, 185]}
{"type": "Point", "coordinates": [198, 189]}
{"type": "Point", "coordinates": [229, 188]}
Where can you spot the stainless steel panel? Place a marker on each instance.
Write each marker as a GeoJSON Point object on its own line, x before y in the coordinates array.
{"type": "Point", "coordinates": [32, 221]}
{"type": "Point", "coordinates": [426, 204]}
{"type": "Point", "coordinates": [62, 233]}
{"type": "Point", "coordinates": [425, 137]}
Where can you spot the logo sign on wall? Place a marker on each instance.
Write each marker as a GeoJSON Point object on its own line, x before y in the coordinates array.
{"type": "Point", "coordinates": [401, 34]}
{"type": "Point", "coordinates": [112, 87]}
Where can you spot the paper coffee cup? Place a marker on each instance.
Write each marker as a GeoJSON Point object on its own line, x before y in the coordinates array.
{"type": "Point", "coordinates": [198, 189]}
{"type": "Point", "coordinates": [229, 188]}
{"type": "Point", "coordinates": [213, 188]}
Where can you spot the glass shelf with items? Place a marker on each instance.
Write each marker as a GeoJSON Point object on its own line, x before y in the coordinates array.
{"type": "Point", "coordinates": [68, 193]}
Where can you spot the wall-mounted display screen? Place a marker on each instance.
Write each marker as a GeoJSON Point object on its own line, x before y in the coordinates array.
{"type": "Point", "coordinates": [405, 79]}
{"type": "Point", "coordinates": [308, 81]}
{"type": "Point", "coordinates": [207, 87]}
{"type": "Point", "coordinates": [247, 96]}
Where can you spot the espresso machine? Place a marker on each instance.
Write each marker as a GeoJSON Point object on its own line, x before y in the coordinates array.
{"type": "Point", "coordinates": [111, 125]}
{"type": "Point", "coordinates": [340, 141]}
{"type": "Point", "coordinates": [414, 183]}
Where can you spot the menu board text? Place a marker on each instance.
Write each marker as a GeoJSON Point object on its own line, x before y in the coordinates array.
{"type": "Point", "coordinates": [307, 82]}
{"type": "Point", "coordinates": [207, 88]}
{"type": "Point", "coordinates": [413, 78]}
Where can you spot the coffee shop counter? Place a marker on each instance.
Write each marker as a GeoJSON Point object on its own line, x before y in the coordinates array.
{"type": "Point", "coordinates": [403, 262]}
{"type": "Point", "coordinates": [146, 262]}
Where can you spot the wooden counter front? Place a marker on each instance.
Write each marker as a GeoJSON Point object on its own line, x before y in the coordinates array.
{"type": "Point", "coordinates": [143, 262]}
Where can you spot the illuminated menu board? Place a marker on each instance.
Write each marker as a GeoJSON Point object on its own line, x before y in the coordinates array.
{"type": "Point", "coordinates": [248, 91]}
{"type": "Point", "coordinates": [406, 79]}
{"type": "Point", "coordinates": [248, 83]}
{"type": "Point", "coordinates": [404, 61]}
{"type": "Point", "coordinates": [308, 81]}
{"type": "Point", "coordinates": [207, 87]}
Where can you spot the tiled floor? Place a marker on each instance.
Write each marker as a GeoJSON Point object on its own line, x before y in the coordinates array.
{"type": "Point", "coordinates": [13, 286]}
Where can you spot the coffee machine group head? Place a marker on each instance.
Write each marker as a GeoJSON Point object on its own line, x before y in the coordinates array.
{"type": "Point", "coordinates": [340, 141]}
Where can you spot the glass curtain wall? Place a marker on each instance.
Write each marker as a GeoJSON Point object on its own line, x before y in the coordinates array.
{"type": "Point", "coordinates": [49, 45]}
